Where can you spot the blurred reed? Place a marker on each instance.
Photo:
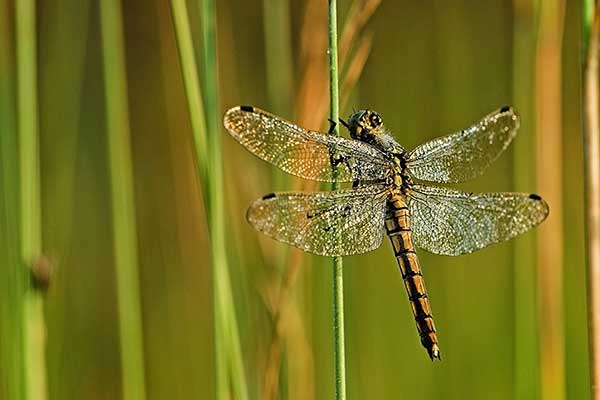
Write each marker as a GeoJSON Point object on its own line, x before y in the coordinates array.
{"type": "Point", "coordinates": [123, 202]}
{"type": "Point", "coordinates": [280, 83]}
{"type": "Point", "coordinates": [592, 185]}
{"type": "Point", "coordinates": [229, 368]}
{"type": "Point", "coordinates": [13, 275]}
{"type": "Point", "coordinates": [524, 176]}
{"type": "Point", "coordinates": [279, 65]}
{"type": "Point", "coordinates": [34, 329]}
{"type": "Point", "coordinates": [339, 346]}
{"type": "Point", "coordinates": [587, 20]}
{"type": "Point", "coordinates": [291, 330]}
{"type": "Point", "coordinates": [278, 53]}
{"type": "Point", "coordinates": [189, 71]}
{"type": "Point", "coordinates": [548, 91]}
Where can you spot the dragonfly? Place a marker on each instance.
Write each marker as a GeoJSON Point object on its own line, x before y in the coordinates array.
{"type": "Point", "coordinates": [389, 195]}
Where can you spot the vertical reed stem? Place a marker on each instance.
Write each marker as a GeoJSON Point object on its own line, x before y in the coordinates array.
{"type": "Point", "coordinates": [550, 184]}
{"type": "Point", "coordinates": [123, 202]}
{"type": "Point", "coordinates": [338, 270]}
{"type": "Point", "coordinates": [587, 19]}
{"type": "Point", "coordinates": [13, 276]}
{"type": "Point", "coordinates": [191, 83]}
{"type": "Point", "coordinates": [592, 197]}
{"type": "Point", "coordinates": [34, 329]}
{"type": "Point", "coordinates": [193, 92]}
{"type": "Point", "coordinates": [227, 341]}
{"type": "Point", "coordinates": [526, 371]}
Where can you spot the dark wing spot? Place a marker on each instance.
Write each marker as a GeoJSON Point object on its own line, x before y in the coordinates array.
{"type": "Point", "coordinates": [247, 108]}
{"type": "Point", "coordinates": [505, 109]}
{"type": "Point", "coordinates": [269, 196]}
{"type": "Point", "coordinates": [534, 196]}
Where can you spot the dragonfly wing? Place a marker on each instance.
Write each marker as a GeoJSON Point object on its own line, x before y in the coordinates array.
{"type": "Point", "coordinates": [452, 223]}
{"type": "Point", "coordinates": [303, 153]}
{"type": "Point", "coordinates": [466, 154]}
{"type": "Point", "coordinates": [337, 223]}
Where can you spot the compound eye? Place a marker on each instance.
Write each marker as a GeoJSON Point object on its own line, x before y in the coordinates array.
{"type": "Point", "coordinates": [375, 119]}
{"type": "Point", "coordinates": [364, 118]}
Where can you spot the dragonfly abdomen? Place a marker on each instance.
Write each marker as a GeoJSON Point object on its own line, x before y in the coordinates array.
{"type": "Point", "coordinates": [397, 225]}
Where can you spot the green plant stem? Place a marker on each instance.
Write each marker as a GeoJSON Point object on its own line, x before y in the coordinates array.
{"type": "Point", "coordinates": [193, 91]}
{"type": "Point", "coordinates": [34, 330]}
{"type": "Point", "coordinates": [338, 270]}
{"type": "Point", "coordinates": [592, 196]}
{"type": "Point", "coordinates": [587, 17]}
{"type": "Point", "coordinates": [13, 276]}
{"type": "Point", "coordinates": [549, 163]}
{"type": "Point", "coordinates": [123, 203]}
{"type": "Point", "coordinates": [227, 342]}
{"type": "Point", "coordinates": [526, 371]}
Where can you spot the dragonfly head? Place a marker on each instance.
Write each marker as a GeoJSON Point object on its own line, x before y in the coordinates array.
{"type": "Point", "coordinates": [366, 126]}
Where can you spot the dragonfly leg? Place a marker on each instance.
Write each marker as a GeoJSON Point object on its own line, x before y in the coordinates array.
{"type": "Point", "coordinates": [332, 125]}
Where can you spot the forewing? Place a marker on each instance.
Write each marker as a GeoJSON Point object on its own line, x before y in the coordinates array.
{"type": "Point", "coordinates": [451, 223]}
{"type": "Point", "coordinates": [303, 153]}
{"type": "Point", "coordinates": [338, 223]}
{"type": "Point", "coordinates": [464, 155]}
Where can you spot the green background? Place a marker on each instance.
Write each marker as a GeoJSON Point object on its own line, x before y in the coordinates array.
{"type": "Point", "coordinates": [434, 67]}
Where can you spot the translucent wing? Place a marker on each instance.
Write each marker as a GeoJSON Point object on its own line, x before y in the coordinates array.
{"type": "Point", "coordinates": [451, 223]}
{"type": "Point", "coordinates": [303, 153]}
{"type": "Point", "coordinates": [341, 223]}
{"type": "Point", "coordinates": [464, 155]}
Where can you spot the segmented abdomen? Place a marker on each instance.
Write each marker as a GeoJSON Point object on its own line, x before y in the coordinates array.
{"type": "Point", "coordinates": [397, 225]}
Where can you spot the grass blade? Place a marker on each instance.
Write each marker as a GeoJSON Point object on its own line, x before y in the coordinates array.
{"type": "Point", "coordinates": [228, 350]}
{"type": "Point", "coordinates": [123, 203]}
{"type": "Point", "coordinates": [193, 92]}
{"type": "Point", "coordinates": [338, 267]}
{"type": "Point", "coordinates": [34, 329]}
{"type": "Point", "coordinates": [13, 276]}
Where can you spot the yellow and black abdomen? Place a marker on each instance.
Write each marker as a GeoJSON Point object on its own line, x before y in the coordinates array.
{"type": "Point", "coordinates": [397, 225]}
